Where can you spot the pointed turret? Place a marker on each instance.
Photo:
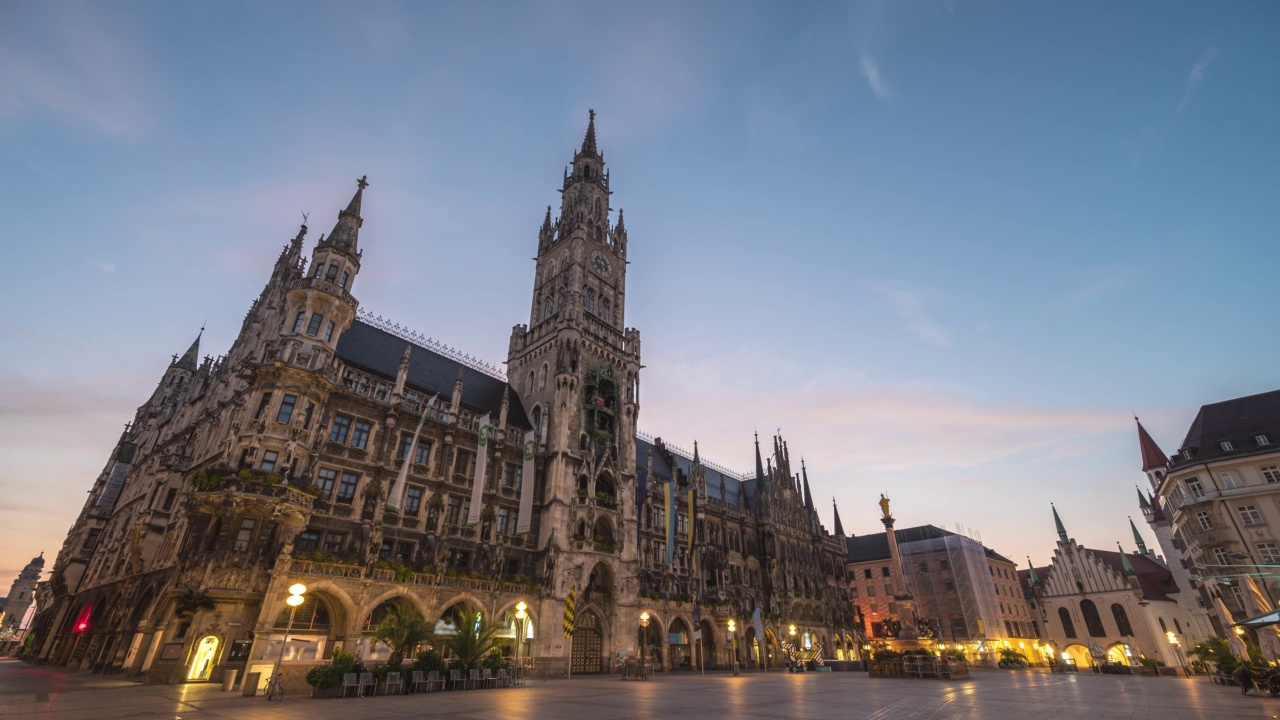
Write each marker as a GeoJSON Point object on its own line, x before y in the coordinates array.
{"type": "Point", "coordinates": [808, 497]}
{"type": "Point", "coordinates": [346, 233]}
{"type": "Point", "coordinates": [1153, 458]}
{"type": "Point", "coordinates": [191, 356]}
{"type": "Point", "coordinates": [1143, 503]}
{"type": "Point", "coordinates": [1137, 539]}
{"type": "Point", "coordinates": [1057, 521]}
{"type": "Point", "coordinates": [836, 509]}
{"type": "Point", "coordinates": [1032, 578]}
{"type": "Point", "coordinates": [1124, 562]}
{"type": "Point", "coordinates": [759, 465]}
{"type": "Point", "coordinates": [589, 142]}
{"type": "Point", "coordinates": [696, 460]}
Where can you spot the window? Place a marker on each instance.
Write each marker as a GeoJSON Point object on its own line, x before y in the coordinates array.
{"type": "Point", "coordinates": [1122, 620]}
{"type": "Point", "coordinates": [1196, 488]}
{"type": "Point", "coordinates": [245, 535]}
{"type": "Point", "coordinates": [91, 540]}
{"type": "Point", "coordinates": [1092, 620]}
{"type": "Point", "coordinates": [360, 437]}
{"type": "Point", "coordinates": [871, 591]}
{"type": "Point", "coordinates": [1206, 523]}
{"type": "Point", "coordinates": [286, 408]}
{"type": "Point", "coordinates": [944, 565]}
{"type": "Point", "coordinates": [308, 540]}
{"type": "Point", "coordinates": [511, 475]}
{"type": "Point", "coordinates": [452, 510]}
{"type": "Point", "coordinates": [924, 567]}
{"type": "Point", "coordinates": [319, 269]}
{"type": "Point", "coordinates": [333, 542]}
{"type": "Point", "coordinates": [866, 572]}
{"type": "Point", "coordinates": [262, 405]}
{"type": "Point", "coordinates": [332, 274]}
{"type": "Point", "coordinates": [340, 428]}
{"type": "Point", "coordinates": [888, 591]}
{"type": "Point", "coordinates": [268, 463]}
{"type": "Point", "coordinates": [461, 462]}
{"type": "Point", "coordinates": [347, 489]}
{"type": "Point", "coordinates": [1068, 627]}
{"type": "Point", "coordinates": [169, 498]}
{"type": "Point", "coordinates": [1270, 553]}
{"type": "Point", "coordinates": [504, 521]}
{"type": "Point", "coordinates": [313, 327]}
{"type": "Point", "coordinates": [297, 321]}
{"type": "Point", "coordinates": [948, 585]}
{"type": "Point", "coordinates": [412, 500]}
{"type": "Point", "coordinates": [853, 592]}
{"type": "Point", "coordinates": [884, 571]}
{"type": "Point", "coordinates": [325, 478]}
{"type": "Point", "coordinates": [1221, 557]}
{"type": "Point", "coordinates": [1226, 446]}
{"type": "Point", "coordinates": [1271, 473]}
{"type": "Point", "coordinates": [345, 278]}
{"type": "Point", "coordinates": [328, 332]}
{"type": "Point", "coordinates": [1249, 514]}
{"type": "Point", "coordinates": [1231, 479]}
{"type": "Point", "coordinates": [1262, 439]}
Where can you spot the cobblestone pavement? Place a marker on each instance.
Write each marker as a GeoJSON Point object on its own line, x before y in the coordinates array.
{"type": "Point", "coordinates": [27, 692]}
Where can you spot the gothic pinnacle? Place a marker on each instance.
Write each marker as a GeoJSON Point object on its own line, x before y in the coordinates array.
{"type": "Point", "coordinates": [589, 142]}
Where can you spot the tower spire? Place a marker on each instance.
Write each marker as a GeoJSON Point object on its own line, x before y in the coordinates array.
{"type": "Point", "coordinates": [836, 509]}
{"type": "Point", "coordinates": [1124, 561]}
{"type": "Point", "coordinates": [1062, 531]}
{"type": "Point", "coordinates": [191, 356]}
{"type": "Point", "coordinates": [808, 497]}
{"type": "Point", "coordinates": [759, 464]}
{"type": "Point", "coordinates": [1153, 458]}
{"type": "Point", "coordinates": [1143, 503]}
{"type": "Point", "coordinates": [589, 142]}
{"type": "Point", "coordinates": [346, 233]}
{"type": "Point", "coordinates": [1137, 538]}
{"type": "Point", "coordinates": [1031, 574]}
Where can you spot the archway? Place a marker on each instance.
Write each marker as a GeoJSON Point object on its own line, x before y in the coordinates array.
{"type": "Point", "coordinates": [752, 649]}
{"type": "Point", "coordinates": [770, 648]}
{"type": "Point", "coordinates": [202, 659]}
{"type": "Point", "coordinates": [1116, 654]}
{"type": "Point", "coordinates": [679, 646]}
{"type": "Point", "coordinates": [515, 630]}
{"type": "Point", "coordinates": [600, 587]}
{"type": "Point", "coordinates": [708, 645]}
{"type": "Point", "coordinates": [369, 647]}
{"type": "Point", "coordinates": [1080, 654]}
{"type": "Point", "coordinates": [651, 639]}
{"type": "Point", "coordinates": [313, 624]}
{"type": "Point", "coordinates": [587, 652]}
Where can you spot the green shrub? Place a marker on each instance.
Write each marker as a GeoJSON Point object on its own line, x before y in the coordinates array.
{"type": "Point", "coordinates": [493, 661]}
{"type": "Point", "coordinates": [429, 660]}
{"type": "Point", "coordinates": [330, 674]}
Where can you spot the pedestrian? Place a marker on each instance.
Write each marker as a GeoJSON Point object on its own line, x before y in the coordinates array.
{"type": "Point", "coordinates": [1244, 678]}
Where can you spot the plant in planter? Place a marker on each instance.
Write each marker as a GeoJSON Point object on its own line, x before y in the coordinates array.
{"type": "Point", "coordinates": [429, 660]}
{"type": "Point", "coordinates": [403, 630]}
{"type": "Point", "coordinates": [1010, 658]}
{"type": "Point", "coordinates": [328, 675]}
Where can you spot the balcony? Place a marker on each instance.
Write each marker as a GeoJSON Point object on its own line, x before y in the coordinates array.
{"type": "Point", "coordinates": [324, 286]}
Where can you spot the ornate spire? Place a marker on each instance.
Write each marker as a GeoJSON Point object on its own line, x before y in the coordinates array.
{"type": "Point", "coordinates": [1062, 531]}
{"type": "Point", "coordinates": [1153, 458]}
{"type": "Point", "coordinates": [696, 461]}
{"type": "Point", "coordinates": [759, 465]}
{"type": "Point", "coordinates": [620, 227]}
{"type": "Point", "coordinates": [589, 142]}
{"type": "Point", "coordinates": [1031, 576]}
{"type": "Point", "coordinates": [1137, 539]}
{"type": "Point", "coordinates": [835, 508]}
{"type": "Point", "coordinates": [1143, 503]}
{"type": "Point", "coordinates": [191, 356]}
{"type": "Point", "coordinates": [1124, 561]}
{"type": "Point", "coordinates": [346, 233]}
{"type": "Point", "coordinates": [546, 221]}
{"type": "Point", "coordinates": [808, 497]}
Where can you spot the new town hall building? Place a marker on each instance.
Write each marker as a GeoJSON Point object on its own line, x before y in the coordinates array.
{"type": "Point", "coordinates": [283, 462]}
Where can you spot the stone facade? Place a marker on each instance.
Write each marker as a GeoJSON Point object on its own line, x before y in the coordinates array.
{"type": "Point", "coordinates": [331, 448]}
{"type": "Point", "coordinates": [22, 594]}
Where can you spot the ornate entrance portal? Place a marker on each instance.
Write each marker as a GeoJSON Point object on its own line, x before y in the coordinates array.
{"type": "Point", "coordinates": [587, 645]}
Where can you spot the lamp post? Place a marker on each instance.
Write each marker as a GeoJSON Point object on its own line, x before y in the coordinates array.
{"type": "Point", "coordinates": [644, 631]}
{"type": "Point", "coordinates": [296, 593]}
{"type": "Point", "coordinates": [523, 617]}
{"type": "Point", "coordinates": [733, 627]}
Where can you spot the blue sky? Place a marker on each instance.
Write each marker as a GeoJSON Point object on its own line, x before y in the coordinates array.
{"type": "Point", "coordinates": [949, 248]}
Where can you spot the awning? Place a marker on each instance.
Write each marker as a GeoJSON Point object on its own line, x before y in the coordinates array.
{"type": "Point", "coordinates": [1266, 619]}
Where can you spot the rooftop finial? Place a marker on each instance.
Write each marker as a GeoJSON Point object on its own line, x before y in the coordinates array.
{"type": "Point", "coordinates": [589, 142]}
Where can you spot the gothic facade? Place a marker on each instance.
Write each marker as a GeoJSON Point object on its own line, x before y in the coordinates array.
{"type": "Point", "coordinates": [333, 449]}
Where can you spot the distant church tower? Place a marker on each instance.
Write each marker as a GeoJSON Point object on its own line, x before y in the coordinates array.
{"type": "Point", "coordinates": [576, 367]}
{"type": "Point", "coordinates": [21, 595]}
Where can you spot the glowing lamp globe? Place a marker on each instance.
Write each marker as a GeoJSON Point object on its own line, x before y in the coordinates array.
{"type": "Point", "coordinates": [294, 600]}
{"type": "Point", "coordinates": [297, 589]}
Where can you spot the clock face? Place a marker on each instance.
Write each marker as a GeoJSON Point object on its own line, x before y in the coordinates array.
{"type": "Point", "coordinates": [601, 264]}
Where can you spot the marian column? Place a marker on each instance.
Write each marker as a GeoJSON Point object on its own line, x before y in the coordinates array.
{"type": "Point", "coordinates": [902, 605]}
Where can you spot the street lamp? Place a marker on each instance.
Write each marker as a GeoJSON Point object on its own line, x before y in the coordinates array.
{"type": "Point", "coordinates": [644, 632]}
{"type": "Point", "coordinates": [523, 617]}
{"type": "Point", "coordinates": [296, 592]}
{"type": "Point", "coordinates": [732, 627]}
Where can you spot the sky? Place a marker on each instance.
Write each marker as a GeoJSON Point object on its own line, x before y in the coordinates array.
{"type": "Point", "coordinates": [949, 249]}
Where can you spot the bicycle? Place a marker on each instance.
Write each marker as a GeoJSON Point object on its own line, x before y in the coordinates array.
{"type": "Point", "coordinates": [275, 688]}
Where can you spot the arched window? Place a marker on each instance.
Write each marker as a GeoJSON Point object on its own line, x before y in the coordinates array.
{"type": "Point", "coordinates": [542, 380]}
{"type": "Point", "coordinates": [604, 311]}
{"type": "Point", "coordinates": [1068, 627]}
{"type": "Point", "coordinates": [1092, 620]}
{"type": "Point", "coordinates": [1176, 624]}
{"type": "Point", "coordinates": [537, 413]}
{"type": "Point", "coordinates": [1163, 628]}
{"type": "Point", "coordinates": [589, 304]}
{"type": "Point", "coordinates": [1122, 620]}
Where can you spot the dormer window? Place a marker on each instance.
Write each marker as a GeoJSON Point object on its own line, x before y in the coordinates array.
{"type": "Point", "coordinates": [1226, 446]}
{"type": "Point", "coordinates": [1262, 439]}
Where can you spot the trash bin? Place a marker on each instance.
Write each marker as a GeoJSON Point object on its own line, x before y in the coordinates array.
{"type": "Point", "coordinates": [250, 686]}
{"type": "Point", "coordinates": [229, 679]}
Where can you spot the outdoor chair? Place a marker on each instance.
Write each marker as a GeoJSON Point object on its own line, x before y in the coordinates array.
{"type": "Point", "coordinates": [418, 679]}
{"type": "Point", "coordinates": [434, 678]}
{"type": "Point", "coordinates": [350, 682]}
{"type": "Point", "coordinates": [367, 681]}
{"type": "Point", "coordinates": [503, 679]}
{"type": "Point", "coordinates": [455, 679]}
{"type": "Point", "coordinates": [393, 680]}
{"type": "Point", "coordinates": [473, 680]}
{"type": "Point", "coordinates": [488, 679]}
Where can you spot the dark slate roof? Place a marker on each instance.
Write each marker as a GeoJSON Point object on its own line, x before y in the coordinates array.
{"type": "Point", "coordinates": [997, 556]}
{"type": "Point", "coordinates": [380, 352]}
{"type": "Point", "coordinates": [1024, 579]}
{"type": "Point", "coordinates": [865, 548]}
{"type": "Point", "coordinates": [1153, 577]}
{"type": "Point", "coordinates": [662, 471]}
{"type": "Point", "coordinates": [1238, 421]}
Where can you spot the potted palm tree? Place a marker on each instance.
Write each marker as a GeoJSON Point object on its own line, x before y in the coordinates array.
{"type": "Point", "coordinates": [472, 641]}
{"type": "Point", "coordinates": [402, 630]}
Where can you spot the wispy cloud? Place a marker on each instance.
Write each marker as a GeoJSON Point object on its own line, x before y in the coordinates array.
{"type": "Point", "coordinates": [1196, 76]}
{"type": "Point", "coordinates": [107, 267]}
{"type": "Point", "coordinates": [910, 307]}
{"type": "Point", "coordinates": [867, 21]}
{"type": "Point", "coordinates": [75, 64]}
{"type": "Point", "coordinates": [871, 71]}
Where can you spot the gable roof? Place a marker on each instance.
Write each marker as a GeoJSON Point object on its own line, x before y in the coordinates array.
{"type": "Point", "coordinates": [378, 351]}
{"type": "Point", "coordinates": [1237, 421]}
{"type": "Point", "coordinates": [1154, 578]}
{"type": "Point", "coordinates": [867, 548]}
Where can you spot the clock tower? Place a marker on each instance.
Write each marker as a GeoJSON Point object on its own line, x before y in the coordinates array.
{"type": "Point", "coordinates": [576, 367]}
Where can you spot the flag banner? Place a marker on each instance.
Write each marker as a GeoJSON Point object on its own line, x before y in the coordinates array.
{"type": "Point", "coordinates": [568, 614]}
{"type": "Point", "coordinates": [759, 626]}
{"type": "Point", "coordinates": [697, 614]}
{"type": "Point", "coordinates": [395, 500]}
{"type": "Point", "coordinates": [527, 476]}
{"type": "Point", "coordinates": [482, 465]}
{"type": "Point", "coordinates": [642, 494]}
{"type": "Point", "coordinates": [669, 494]}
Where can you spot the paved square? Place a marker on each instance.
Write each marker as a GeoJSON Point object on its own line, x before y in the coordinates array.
{"type": "Point", "coordinates": [29, 692]}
